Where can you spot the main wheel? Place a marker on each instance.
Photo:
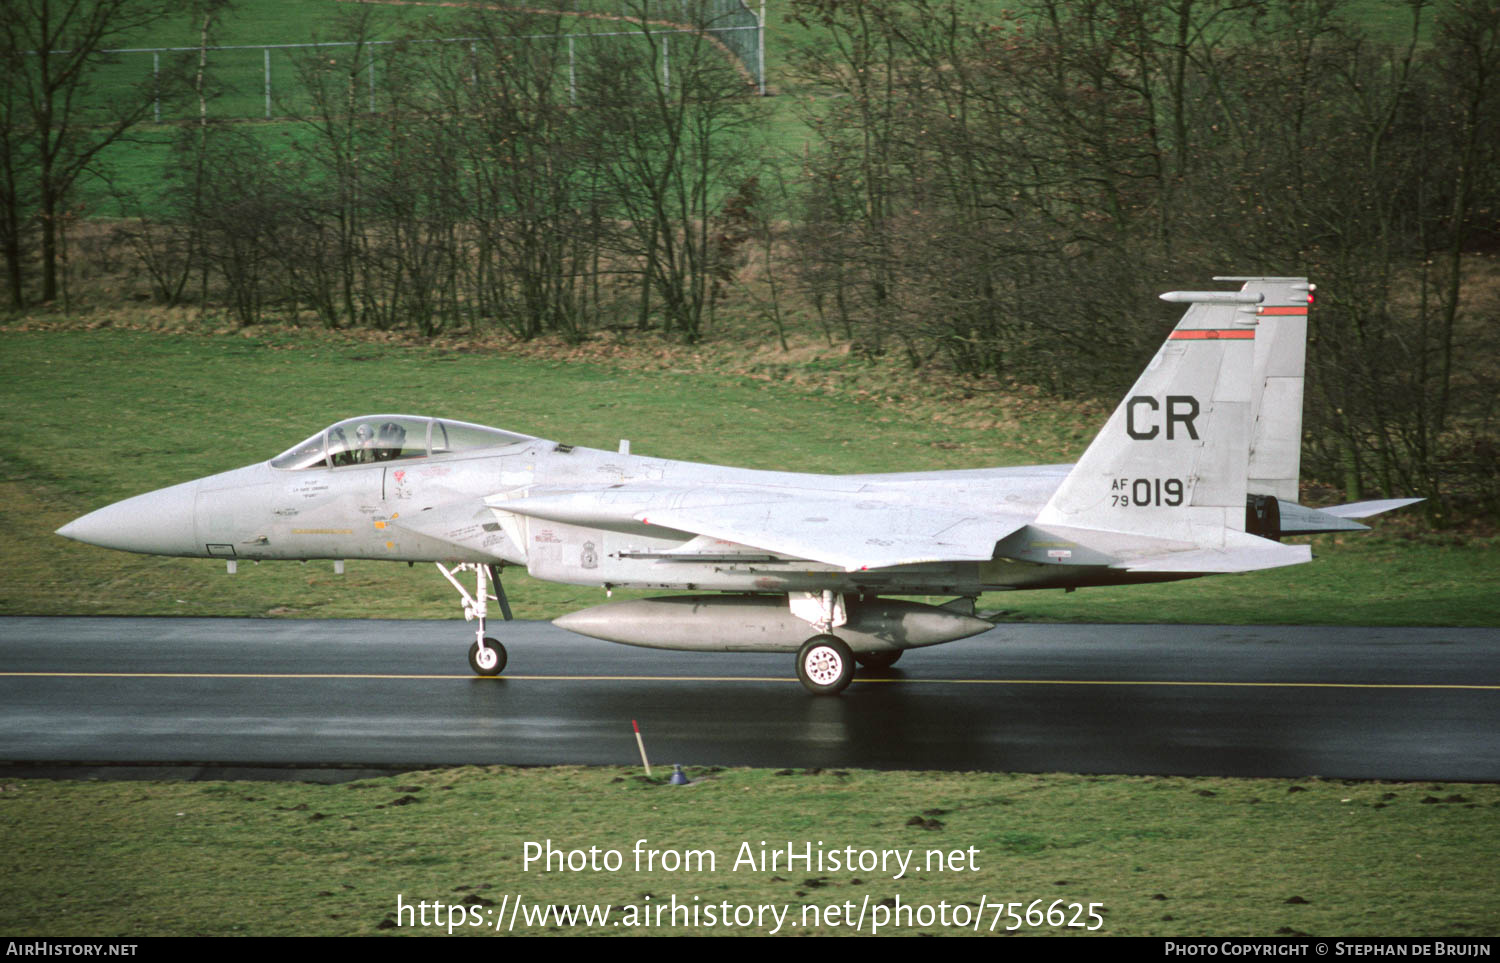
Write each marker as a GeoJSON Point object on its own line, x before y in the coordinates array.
{"type": "Point", "coordinates": [825, 665]}
{"type": "Point", "coordinates": [878, 660]}
{"type": "Point", "coordinates": [489, 662]}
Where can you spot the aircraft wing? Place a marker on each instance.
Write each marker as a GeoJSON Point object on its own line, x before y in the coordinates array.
{"type": "Point", "coordinates": [851, 530]}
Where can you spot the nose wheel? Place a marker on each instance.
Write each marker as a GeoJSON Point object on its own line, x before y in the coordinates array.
{"type": "Point", "coordinates": [486, 655]}
{"type": "Point", "coordinates": [825, 665]}
{"type": "Point", "coordinates": [487, 659]}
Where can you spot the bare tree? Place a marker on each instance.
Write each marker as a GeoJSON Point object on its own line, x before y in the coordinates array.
{"type": "Point", "coordinates": [528, 175]}
{"type": "Point", "coordinates": [56, 120]}
{"type": "Point", "coordinates": [673, 119]}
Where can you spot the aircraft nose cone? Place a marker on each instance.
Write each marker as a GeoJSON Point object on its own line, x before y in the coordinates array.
{"type": "Point", "coordinates": [156, 523]}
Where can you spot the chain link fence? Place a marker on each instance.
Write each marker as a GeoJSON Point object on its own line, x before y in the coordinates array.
{"type": "Point", "coordinates": [262, 80]}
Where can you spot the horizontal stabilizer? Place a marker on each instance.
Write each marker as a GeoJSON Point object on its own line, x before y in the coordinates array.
{"type": "Point", "coordinates": [1240, 553]}
{"type": "Point", "coordinates": [1367, 509]}
{"type": "Point", "coordinates": [1300, 520]}
{"type": "Point", "coordinates": [1297, 519]}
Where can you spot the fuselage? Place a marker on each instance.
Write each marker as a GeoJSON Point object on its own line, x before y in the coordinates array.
{"type": "Point", "coordinates": [450, 506]}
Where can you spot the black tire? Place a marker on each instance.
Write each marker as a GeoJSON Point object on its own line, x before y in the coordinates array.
{"type": "Point", "coordinates": [825, 665]}
{"type": "Point", "coordinates": [878, 660]}
{"type": "Point", "coordinates": [495, 651]}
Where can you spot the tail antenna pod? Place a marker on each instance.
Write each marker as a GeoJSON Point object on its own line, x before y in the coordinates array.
{"type": "Point", "coordinates": [1213, 297]}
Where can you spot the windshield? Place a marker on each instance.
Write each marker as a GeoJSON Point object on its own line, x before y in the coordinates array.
{"type": "Point", "coordinates": [370, 439]}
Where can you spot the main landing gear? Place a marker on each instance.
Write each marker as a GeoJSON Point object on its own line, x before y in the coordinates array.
{"type": "Point", "coordinates": [486, 656]}
{"type": "Point", "coordinates": [825, 663]}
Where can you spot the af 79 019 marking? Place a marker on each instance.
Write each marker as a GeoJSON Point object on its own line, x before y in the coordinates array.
{"type": "Point", "coordinates": [1142, 492]}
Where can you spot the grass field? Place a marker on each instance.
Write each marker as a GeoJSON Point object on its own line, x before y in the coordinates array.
{"type": "Point", "coordinates": [1163, 856]}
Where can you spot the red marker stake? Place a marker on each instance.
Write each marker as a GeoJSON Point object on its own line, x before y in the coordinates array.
{"type": "Point", "coordinates": [641, 745]}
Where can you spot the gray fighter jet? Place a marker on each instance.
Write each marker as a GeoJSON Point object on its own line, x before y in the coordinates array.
{"type": "Point", "coordinates": [1194, 474]}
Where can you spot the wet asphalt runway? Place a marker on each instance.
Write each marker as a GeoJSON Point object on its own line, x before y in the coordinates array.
{"type": "Point", "coordinates": [232, 696]}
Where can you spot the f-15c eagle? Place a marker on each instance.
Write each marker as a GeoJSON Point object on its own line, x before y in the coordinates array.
{"type": "Point", "coordinates": [1194, 474]}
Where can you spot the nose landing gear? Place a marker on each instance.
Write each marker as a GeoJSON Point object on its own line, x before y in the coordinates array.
{"type": "Point", "coordinates": [487, 657]}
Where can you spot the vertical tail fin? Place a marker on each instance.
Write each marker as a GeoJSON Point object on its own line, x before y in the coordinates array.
{"type": "Point", "coordinates": [1276, 386]}
{"type": "Point", "coordinates": [1171, 462]}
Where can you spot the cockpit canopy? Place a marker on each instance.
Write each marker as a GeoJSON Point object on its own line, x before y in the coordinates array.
{"type": "Point", "coordinates": [377, 438]}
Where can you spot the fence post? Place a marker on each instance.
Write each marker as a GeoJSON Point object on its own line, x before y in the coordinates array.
{"type": "Point", "coordinates": [267, 51]}
{"type": "Point", "coordinates": [760, 47]}
{"type": "Point", "coordinates": [156, 83]}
